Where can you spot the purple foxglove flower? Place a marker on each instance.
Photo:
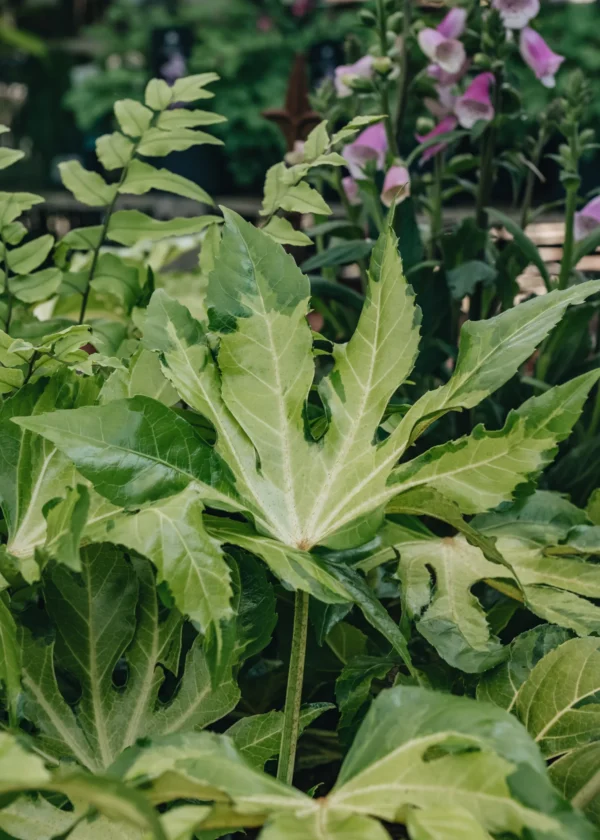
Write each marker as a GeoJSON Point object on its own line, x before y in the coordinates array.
{"type": "Point", "coordinates": [371, 144]}
{"type": "Point", "coordinates": [588, 219]}
{"type": "Point", "coordinates": [475, 104]}
{"type": "Point", "coordinates": [351, 190]}
{"type": "Point", "coordinates": [538, 55]}
{"type": "Point", "coordinates": [362, 69]}
{"type": "Point", "coordinates": [396, 186]}
{"type": "Point", "coordinates": [447, 52]}
{"type": "Point", "coordinates": [446, 125]}
{"type": "Point", "coordinates": [454, 23]}
{"type": "Point", "coordinates": [447, 79]}
{"type": "Point", "coordinates": [443, 105]}
{"type": "Point", "coordinates": [516, 14]}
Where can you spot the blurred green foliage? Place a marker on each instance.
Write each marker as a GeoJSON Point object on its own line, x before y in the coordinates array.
{"type": "Point", "coordinates": [251, 47]}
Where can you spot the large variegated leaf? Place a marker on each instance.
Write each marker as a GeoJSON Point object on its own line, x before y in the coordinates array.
{"type": "Point", "coordinates": [33, 471]}
{"type": "Point", "coordinates": [249, 371]}
{"type": "Point", "coordinates": [108, 615]}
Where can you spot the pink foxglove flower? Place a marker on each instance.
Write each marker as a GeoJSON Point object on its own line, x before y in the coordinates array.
{"type": "Point", "coordinates": [361, 69]}
{"type": "Point", "coordinates": [475, 104]}
{"type": "Point", "coordinates": [588, 219]}
{"type": "Point", "coordinates": [538, 55]}
{"type": "Point", "coordinates": [351, 190]}
{"type": "Point", "coordinates": [448, 53]}
{"type": "Point", "coordinates": [447, 79]}
{"type": "Point", "coordinates": [453, 25]}
{"type": "Point", "coordinates": [370, 145]}
{"type": "Point", "coordinates": [396, 186]}
{"type": "Point", "coordinates": [516, 14]}
{"type": "Point", "coordinates": [446, 125]}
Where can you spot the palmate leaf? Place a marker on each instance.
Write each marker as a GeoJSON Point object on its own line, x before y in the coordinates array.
{"type": "Point", "coordinates": [110, 613]}
{"type": "Point", "coordinates": [248, 368]}
{"type": "Point", "coordinates": [22, 771]}
{"type": "Point", "coordinates": [451, 617]}
{"type": "Point", "coordinates": [414, 748]}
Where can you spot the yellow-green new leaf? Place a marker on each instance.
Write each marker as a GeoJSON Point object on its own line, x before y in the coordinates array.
{"type": "Point", "coordinates": [30, 256]}
{"type": "Point", "coordinates": [88, 187]}
{"type": "Point", "coordinates": [127, 227]}
{"type": "Point", "coordinates": [158, 143]}
{"type": "Point", "coordinates": [158, 94]}
{"type": "Point", "coordinates": [114, 150]}
{"type": "Point", "coordinates": [281, 231]}
{"type": "Point", "coordinates": [19, 769]}
{"type": "Point", "coordinates": [10, 156]}
{"type": "Point", "coordinates": [142, 177]}
{"type": "Point", "coordinates": [32, 288]}
{"type": "Point", "coordinates": [133, 117]}
{"type": "Point", "coordinates": [192, 88]}
{"type": "Point", "coordinates": [182, 118]}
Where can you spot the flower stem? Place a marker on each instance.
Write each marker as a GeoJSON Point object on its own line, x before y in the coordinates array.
{"type": "Point", "coordinates": [530, 182]}
{"type": "Point", "coordinates": [486, 182]}
{"type": "Point", "coordinates": [383, 83]}
{"type": "Point", "coordinates": [436, 216]}
{"type": "Point", "coordinates": [293, 698]}
{"type": "Point", "coordinates": [567, 257]}
{"type": "Point", "coordinates": [9, 305]}
{"type": "Point", "coordinates": [404, 78]}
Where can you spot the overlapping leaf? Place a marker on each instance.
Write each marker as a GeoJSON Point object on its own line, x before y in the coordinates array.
{"type": "Point", "coordinates": [107, 615]}
{"type": "Point", "coordinates": [553, 586]}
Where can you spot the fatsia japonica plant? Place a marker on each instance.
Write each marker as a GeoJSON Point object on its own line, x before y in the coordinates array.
{"type": "Point", "coordinates": [195, 503]}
